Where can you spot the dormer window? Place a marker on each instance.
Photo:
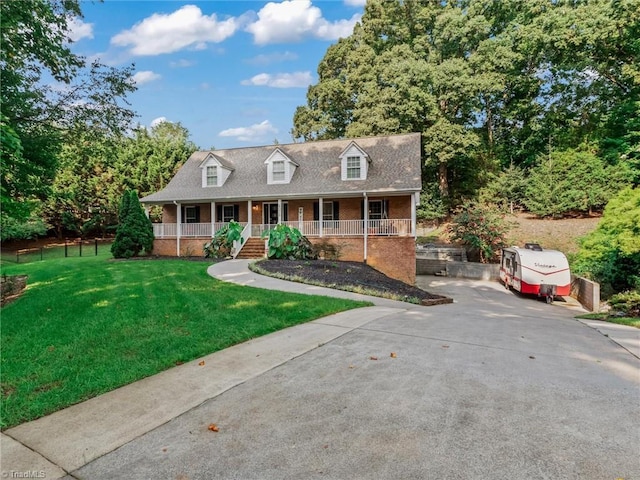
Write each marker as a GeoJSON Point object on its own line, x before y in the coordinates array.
{"type": "Point", "coordinates": [353, 168]}
{"type": "Point", "coordinates": [212, 176]}
{"type": "Point", "coordinates": [354, 163]}
{"type": "Point", "coordinates": [215, 171]}
{"type": "Point", "coordinates": [278, 171]}
{"type": "Point", "coordinates": [280, 168]}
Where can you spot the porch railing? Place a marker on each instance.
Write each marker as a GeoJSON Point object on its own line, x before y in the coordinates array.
{"type": "Point", "coordinates": [238, 244]}
{"type": "Point", "coordinates": [400, 227]}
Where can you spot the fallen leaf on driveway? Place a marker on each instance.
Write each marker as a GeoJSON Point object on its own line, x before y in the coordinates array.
{"type": "Point", "coordinates": [393, 355]}
{"type": "Point", "coordinates": [532, 357]}
{"type": "Point", "coordinates": [445, 346]}
{"type": "Point", "coordinates": [213, 427]}
{"type": "Point", "coordinates": [373, 358]}
{"type": "Point", "coordinates": [201, 363]}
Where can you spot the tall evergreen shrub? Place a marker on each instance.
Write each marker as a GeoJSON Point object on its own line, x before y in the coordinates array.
{"type": "Point", "coordinates": [135, 232]}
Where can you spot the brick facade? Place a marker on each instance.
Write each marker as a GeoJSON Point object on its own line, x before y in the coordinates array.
{"type": "Point", "coordinates": [392, 255]}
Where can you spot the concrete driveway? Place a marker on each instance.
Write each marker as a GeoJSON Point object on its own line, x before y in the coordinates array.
{"type": "Point", "coordinates": [494, 386]}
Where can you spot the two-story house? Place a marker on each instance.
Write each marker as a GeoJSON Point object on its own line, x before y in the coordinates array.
{"type": "Point", "coordinates": [359, 195]}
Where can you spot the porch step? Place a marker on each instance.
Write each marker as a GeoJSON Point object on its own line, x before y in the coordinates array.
{"type": "Point", "coordinates": [253, 248]}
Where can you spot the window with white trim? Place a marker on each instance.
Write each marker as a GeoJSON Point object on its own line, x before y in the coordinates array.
{"type": "Point", "coordinates": [375, 210]}
{"type": "Point", "coordinates": [227, 213]}
{"type": "Point", "coordinates": [191, 214]}
{"type": "Point", "coordinates": [212, 176]}
{"type": "Point", "coordinates": [353, 168]}
{"type": "Point", "coordinates": [278, 171]}
{"type": "Point", "coordinates": [327, 210]}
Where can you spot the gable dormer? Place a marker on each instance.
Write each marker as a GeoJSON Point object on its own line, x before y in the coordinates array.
{"type": "Point", "coordinates": [280, 168]}
{"type": "Point", "coordinates": [214, 171]}
{"type": "Point", "coordinates": [354, 163]}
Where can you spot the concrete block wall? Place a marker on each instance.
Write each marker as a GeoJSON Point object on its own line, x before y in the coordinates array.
{"type": "Point", "coordinates": [473, 270]}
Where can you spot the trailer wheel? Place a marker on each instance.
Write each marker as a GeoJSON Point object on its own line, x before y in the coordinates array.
{"type": "Point", "coordinates": [549, 299]}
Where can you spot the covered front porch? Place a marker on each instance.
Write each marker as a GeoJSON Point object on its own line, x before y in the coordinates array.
{"type": "Point", "coordinates": [321, 217]}
{"type": "Point", "coordinates": [339, 228]}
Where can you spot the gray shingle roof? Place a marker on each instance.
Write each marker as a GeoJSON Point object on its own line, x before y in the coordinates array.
{"type": "Point", "coordinates": [395, 166]}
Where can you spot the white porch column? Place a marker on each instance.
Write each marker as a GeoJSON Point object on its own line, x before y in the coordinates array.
{"type": "Point", "coordinates": [415, 202]}
{"type": "Point", "coordinates": [279, 211]}
{"type": "Point", "coordinates": [320, 217]}
{"type": "Point", "coordinates": [366, 225]}
{"type": "Point", "coordinates": [146, 210]}
{"type": "Point", "coordinates": [213, 219]}
{"type": "Point", "coordinates": [178, 226]}
{"type": "Point", "coordinates": [249, 215]}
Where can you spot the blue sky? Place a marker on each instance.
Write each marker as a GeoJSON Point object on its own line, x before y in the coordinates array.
{"type": "Point", "coordinates": [231, 72]}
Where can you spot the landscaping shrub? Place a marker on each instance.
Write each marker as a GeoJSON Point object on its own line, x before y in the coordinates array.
{"type": "Point", "coordinates": [18, 229]}
{"type": "Point", "coordinates": [627, 303]}
{"type": "Point", "coordinates": [135, 231]}
{"type": "Point", "coordinates": [222, 242]}
{"type": "Point", "coordinates": [287, 242]}
{"type": "Point", "coordinates": [610, 254]}
{"type": "Point", "coordinates": [480, 227]}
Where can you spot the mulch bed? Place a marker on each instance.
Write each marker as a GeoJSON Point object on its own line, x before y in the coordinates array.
{"type": "Point", "coordinates": [341, 275]}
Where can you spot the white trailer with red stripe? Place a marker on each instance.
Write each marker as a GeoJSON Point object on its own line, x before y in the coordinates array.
{"type": "Point", "coordinates": [536, 271]}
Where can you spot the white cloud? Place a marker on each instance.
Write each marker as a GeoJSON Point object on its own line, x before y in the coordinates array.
{"type": "Point", "coordinates": [281, 80]}
{"type": "Point", "coordinates": [272, 58]}
{"type": "Point", "coordinates": [182, 63]}
{"type": "Point", "coordinates": [165, 33]}
{"type": "Point", "coordinates": [254, 132]}
{"type": "Point", "coordinates": [78, 29]}
{"type": "Point", "coordinates": [145, 76]}
{"type": "Point", "coordinates": [294, 20]}
{"type": "Point", "coordinates": [157, 121]}
{"type": "Point", "coordinates": [355, 3]}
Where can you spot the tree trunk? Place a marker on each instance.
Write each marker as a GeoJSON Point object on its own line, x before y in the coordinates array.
{"type": "Point", "coordinates": [443, 183]}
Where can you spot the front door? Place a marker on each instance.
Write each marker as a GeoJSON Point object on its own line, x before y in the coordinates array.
{"type": "Point", "coordinates": [270, 213]}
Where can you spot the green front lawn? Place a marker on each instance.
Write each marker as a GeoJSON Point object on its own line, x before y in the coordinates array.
{"type": "Point", "coordinates": [86, 326]}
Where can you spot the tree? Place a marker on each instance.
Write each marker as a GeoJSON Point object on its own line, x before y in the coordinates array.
{"type": "Point", "coordinates": [572, 181]}
{"type": "Point", "coordinates": [95, 169]}
{"type": "Point", "coordinates": [135, 231]}
{"type": "Point", "coordinates": [149, 158]}
{"type": "Point", "coordinates": [506, 189]}
{"type": "Point", "coordinates": [611, 253]}
{"type": "Point", "coordinates": [480, 227]}
{"type": "Point", "coordinates": [488, 84]}
{"type": "Point", "coordinates": [47, 93]}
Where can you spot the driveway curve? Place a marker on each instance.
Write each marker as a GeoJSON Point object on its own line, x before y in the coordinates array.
{"type": "Point", "coordinates": [492, 386]}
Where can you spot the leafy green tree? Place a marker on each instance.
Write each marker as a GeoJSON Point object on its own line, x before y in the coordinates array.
{"type": "Point", "coordinates": [135, 231]}
{"type": "Point", "coordinates": [506, 189]}
{"type": "Point", "coordinates": [148, 159]}
{"type": "Point", "coordinates": [12, 229]}
{"type": "Point", "coordinates": [571, 181]}
{"type": "Point", "coordinates": [488, 84]}
{"type": "Point", "coordinates": [84, 194]}
{"type": "Point", "coordinates": [611, 253]}
{"type": "Point", "coordinates": [95, 168]}
{"type": "Point", "coordinates": [47, 93]}
{"type": "Point", "coordinates": [480, 227]}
